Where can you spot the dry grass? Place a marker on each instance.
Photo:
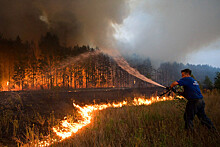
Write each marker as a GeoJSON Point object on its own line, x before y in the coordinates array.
{"type": "Point", "coordinates": [160, 124]}
{"type": "Point", "coordinates": [23, 121]}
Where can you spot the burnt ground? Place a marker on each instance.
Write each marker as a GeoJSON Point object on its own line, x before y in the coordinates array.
{"type": "Point", "coordinates": [37, 107]}
{"type": "Point", "coordinates": [60, 101]}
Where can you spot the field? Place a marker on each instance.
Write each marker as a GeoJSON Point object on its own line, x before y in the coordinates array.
{"type": "Point", "coordinates": [28, 116]}
{"type": "Point", "coordinates": [160, 124]}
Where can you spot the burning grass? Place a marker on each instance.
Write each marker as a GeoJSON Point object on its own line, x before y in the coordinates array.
{"type": "Point", "coordinates": [68, 127]}
{"type": "Point", "coordinates": [25, 117]}
{"type": "Point", "coordinates": [159, 124]}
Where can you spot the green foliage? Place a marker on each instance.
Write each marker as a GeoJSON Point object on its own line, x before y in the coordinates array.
{"type": "Point", "coordinates": [207, 83]}
{"type": "Point", "coordinates": [217, 80]}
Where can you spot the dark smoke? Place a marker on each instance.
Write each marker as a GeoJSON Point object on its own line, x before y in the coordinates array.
{"type": "Point", "coordinates": [74, 21]}
{"type": "Point", "coordinates": [170, 30]}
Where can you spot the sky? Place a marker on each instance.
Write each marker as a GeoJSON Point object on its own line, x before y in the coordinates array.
{"type": "Point", "coordinates": [163, 30]}
{"type": "Point", "coordinates": [182, 31]}
{"type": "Point", "coordinates": [205, 57]}
{"type": "Point", "coordinates": [208, 55]}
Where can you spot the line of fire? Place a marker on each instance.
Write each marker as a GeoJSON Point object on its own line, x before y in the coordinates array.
{"type": "Point", "coordinates": [31, 117]}
{"type": "Point", "coordinates": [109, 73]}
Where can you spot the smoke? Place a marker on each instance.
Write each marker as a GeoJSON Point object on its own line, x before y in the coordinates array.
{"type": "Point", "coordinates": [164, 30]}
{"type": "Point", "coordinates": [74, 21]}
{"type": "Point", "coordinates": [169, 30]}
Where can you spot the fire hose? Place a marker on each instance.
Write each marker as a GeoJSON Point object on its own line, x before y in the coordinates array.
{"type": "Point", "coordinates": [170, 90]}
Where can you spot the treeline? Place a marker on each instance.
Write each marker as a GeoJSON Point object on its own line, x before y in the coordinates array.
{"type": "Point", "coordinates": [168, 72]}
{"type": "Point", "coordinates": [48, 64]}
{"type": "Point", "coordinates": [202, 73]}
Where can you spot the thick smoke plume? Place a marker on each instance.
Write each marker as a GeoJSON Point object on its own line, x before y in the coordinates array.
{"type": "Point", "coordinates": [170, 29]}
{"type": "Point", "coordinates": [74, 21]}
{"type": "Point", "coordinates": [159, 29]}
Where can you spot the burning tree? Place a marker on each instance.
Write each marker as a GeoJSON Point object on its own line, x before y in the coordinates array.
{"type": "Point", "coordinates": [47, 64]}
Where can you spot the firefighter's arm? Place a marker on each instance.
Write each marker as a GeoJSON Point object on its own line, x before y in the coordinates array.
{"type": "Point", "coordinates": [174, 84]}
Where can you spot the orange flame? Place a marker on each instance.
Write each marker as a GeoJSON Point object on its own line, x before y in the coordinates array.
{"type": "Point", "coordinates": [66, 129]}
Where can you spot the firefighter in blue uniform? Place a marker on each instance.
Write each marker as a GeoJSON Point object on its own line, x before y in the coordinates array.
{"type": "Point", "coordinates": [195, 104]}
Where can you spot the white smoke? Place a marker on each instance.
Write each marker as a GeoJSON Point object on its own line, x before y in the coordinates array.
{"type": "Point", "coordinates": [169, 30]}
{"type": "Point", "coordinates": [45, 19]}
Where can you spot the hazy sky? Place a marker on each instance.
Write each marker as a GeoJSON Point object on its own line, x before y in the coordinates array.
{"type": "Point", "coordinates": [172, 30]}
{"type": "Point", "coordinates": [163, 30]}
{"type": "Point", "coordinates": [208, 55]}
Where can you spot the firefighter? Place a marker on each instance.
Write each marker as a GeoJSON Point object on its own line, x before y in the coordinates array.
{"type": "Point", "coordinates": [195, 104]}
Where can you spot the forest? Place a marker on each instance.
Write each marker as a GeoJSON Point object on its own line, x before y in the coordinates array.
{"type": "Point", "coordinates": [47, 64]}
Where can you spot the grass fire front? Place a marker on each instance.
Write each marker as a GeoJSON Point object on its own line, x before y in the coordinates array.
{"type": "Point", "coordinates": [28, 116]}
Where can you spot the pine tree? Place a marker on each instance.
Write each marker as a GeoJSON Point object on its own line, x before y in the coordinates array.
{"type": "Point", "coordinates": [217, 80]}
{"type": "Point", "coordinates": [207, 83]}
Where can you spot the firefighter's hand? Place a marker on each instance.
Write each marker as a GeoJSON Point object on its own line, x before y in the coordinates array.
{"type": "Point", "coordinates": [168, 88]}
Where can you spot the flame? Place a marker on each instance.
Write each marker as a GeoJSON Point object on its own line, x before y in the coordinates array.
{"type": "Point", "coordinates": [67, 129]}
{"type": "Point", "coordinates": [5, 86]}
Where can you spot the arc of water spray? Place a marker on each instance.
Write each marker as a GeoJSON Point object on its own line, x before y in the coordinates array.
{"type": "Point", "coordinates": [71, 61]}
{"type": "Point", "coordinates": [124, 65]}
{"type": "Point", "coordinates": [118, 59]}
